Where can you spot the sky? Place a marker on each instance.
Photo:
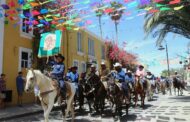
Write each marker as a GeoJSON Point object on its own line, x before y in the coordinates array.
{"type": "Point", "coordinates": [130, 31]}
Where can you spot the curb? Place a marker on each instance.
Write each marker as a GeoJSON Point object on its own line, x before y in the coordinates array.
{"type": "Point", "coordinates": [26, 114]}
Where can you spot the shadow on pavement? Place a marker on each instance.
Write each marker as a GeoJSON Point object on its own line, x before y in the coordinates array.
{"type": "Point", "coordinates": [81, 120]}
{"type": "Point", "coordinates": [181, 98]}
{"type": "Point", "coordinates": [126, 118]}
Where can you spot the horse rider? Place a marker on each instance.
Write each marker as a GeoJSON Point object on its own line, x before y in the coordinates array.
{"type": "Point", "coordinates": [103, 72]}
{"type": "Point", "coordinates": [129, 77]}
{"type": "Point", "coordinates": [177, 76]}
{"type": "Point", "coordinates": [151, 78]}
{"type": "Point", "coordinates": [140, 73]}
{"type": "Point", "coordinates": [120, 77]}
{"type": "Point", "coordinates": [73, 77]}
{"type": "Point", "coordinates": [58, 72]}
{"type": "Point", "coordinates": [93, 77]}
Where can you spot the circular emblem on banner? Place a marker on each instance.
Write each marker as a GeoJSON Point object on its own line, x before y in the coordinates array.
{"type": "Point", "coordinates": [49, 42]}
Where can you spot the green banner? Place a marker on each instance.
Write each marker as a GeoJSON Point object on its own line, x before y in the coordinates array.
{"type": "Point", "coordinates": [50, 44]}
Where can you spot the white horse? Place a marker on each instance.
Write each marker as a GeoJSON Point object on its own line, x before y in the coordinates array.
{"type": "Point", "coordinates": [48, 92]}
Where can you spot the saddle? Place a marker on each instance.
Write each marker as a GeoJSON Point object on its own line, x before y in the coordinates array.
{"type": "Point", "coordinates": [119, 85]}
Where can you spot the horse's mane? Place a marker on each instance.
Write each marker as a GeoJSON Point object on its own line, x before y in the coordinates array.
{"type": "Point", "coordinates": [41, 74]}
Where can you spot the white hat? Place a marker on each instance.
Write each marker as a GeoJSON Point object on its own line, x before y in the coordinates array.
{"type": "Point", "coordinates": [117, 65]}
{"type": "Point", "coordinates": [129, 71]}
{"type": "Point", "coordinates": [103, 63]}
{"type": "Point", "coordinates": [92, 65]}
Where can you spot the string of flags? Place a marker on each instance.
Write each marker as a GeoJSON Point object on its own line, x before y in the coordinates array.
{"type": "Point", "coordinates": [52, 13]}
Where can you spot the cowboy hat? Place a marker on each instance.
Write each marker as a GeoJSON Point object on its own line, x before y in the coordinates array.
{"type": "Point", "coordinates": [141, 66]}
{"type": "Point", "coordinates": [74, 67]}
{"type": "Point", "coordinates": [117, 65]}
{"type": "Point", "coordinates": [129, 71]}
{"type": "Point", "coordinates": [93, 66]}
{"type": "Point", "coordinates": [60, 56]}
{"type": "Point", "coordinates": [103, 63]}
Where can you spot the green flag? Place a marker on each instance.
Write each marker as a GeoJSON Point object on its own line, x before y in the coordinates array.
{"type": "Point", "coordinates": [50, 44]}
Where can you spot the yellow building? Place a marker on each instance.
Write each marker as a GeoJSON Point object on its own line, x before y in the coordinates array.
{"type": "Point", "coordinates": [79, 48]}
{"type": "Point", "coordinates": [82, 48]}
{"type": "Point", "coordinates": [15, 54]}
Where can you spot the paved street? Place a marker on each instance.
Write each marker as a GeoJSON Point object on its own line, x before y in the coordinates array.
{"type": "Point", "coordinates": [161, 109]}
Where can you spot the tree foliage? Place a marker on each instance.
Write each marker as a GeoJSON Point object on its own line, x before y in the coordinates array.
{"type": "Point", "coordinates": [168, 21]}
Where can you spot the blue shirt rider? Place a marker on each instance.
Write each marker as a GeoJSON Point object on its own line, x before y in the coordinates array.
{"type": "Point", "coordinates": [120, 76]}
{"type": "Point", "coordinates": [58, 70]}
{"type": "Point", "coordinates": [129, 77]}
{"type": "Point", "coordinates": [73, 76]}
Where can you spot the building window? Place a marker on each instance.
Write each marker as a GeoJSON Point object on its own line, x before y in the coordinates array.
{"type": "Point", "coordinates": [25, 58]}
{"type": "Point", "coordinates": [103, 52]}
{"type": "Point", "coordinates": [79, 42]}
{"type": "Point", "coordinates": [83, 67]}
{"type": "Point", "coordinates": [26, 27]}
{"type": "Point", "coordinates": [91, 47]}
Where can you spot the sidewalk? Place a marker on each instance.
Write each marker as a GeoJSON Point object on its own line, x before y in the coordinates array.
{"type": "Point", "coordinates": [15, 112]}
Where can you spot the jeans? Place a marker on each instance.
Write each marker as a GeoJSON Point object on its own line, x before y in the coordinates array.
{"type": "Point", "coordinates": [125, 88]}
{"type": "Point", "coordinates": [61, 83]}
{"type": "Point", "coordinates": [76, 87]}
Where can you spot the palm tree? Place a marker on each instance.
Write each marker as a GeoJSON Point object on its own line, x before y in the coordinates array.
{"type": "Point", "coordinates": [163, 22]}
{"type": "Point", "coordinates": [99, 13]}
{"type": "Point", "coordinates": [116, 15]}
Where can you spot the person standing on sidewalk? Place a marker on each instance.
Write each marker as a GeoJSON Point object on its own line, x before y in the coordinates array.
{"type": "Point", "coordinates": [2, 88]}
{"type": "Point", "coordinates": [20, 88]}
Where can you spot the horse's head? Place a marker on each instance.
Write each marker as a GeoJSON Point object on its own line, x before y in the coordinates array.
{"type": "Point", "coordinates": [30, 80]}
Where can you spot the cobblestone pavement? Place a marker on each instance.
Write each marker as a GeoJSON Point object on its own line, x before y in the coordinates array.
{"type": "Point", "coordinates": [163, 108]}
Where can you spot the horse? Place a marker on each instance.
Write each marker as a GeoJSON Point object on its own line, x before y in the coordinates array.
{"type": "Point", "coordinates": [117, 95]}
{"type": "Point", "coordinates": [151, 86]}
{"type": "Point", "coordinates": [95, 93]}
{"type": "Point", "coordinates": [139, 89]}
{"type": "Point", "coordinates": [179, 85]}
{"type": "Point", "coordinates": [48, 91]}
{"type": "Point", "coordinates": [163, 86]}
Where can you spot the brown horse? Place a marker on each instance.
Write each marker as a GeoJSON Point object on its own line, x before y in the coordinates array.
{"type": "Point", "coordinates": [117, 97]}
{"type": "Point", "coordinates": [177, 84]}
{"type": "Point", "coordinates": [95, 93]}
{"type": "Point", "coordinates": [139, 89]}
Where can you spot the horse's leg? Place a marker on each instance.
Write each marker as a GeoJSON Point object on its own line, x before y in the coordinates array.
{"type": "Point", "coordinates": [89, 105]}
{"type": "Point", "coordinates": [70, 102]}
{"type": "Point", "coordinates": [81, 98]}
{"type": "Point", "coordinates": [136, 99]}
{"type": "Point", "coordinates": [45, 109]}
{"type": "Point", "coordinates": [49, 107]}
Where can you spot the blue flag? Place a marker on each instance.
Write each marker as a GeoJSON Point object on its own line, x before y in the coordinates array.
{"type": "Point", "coordinates": [50, 44]}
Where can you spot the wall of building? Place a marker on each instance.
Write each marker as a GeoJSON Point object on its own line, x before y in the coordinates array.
{"type": "Point", "coordinates": [73, 54]}
{"type": "Point", "coordinates": [13, 40]}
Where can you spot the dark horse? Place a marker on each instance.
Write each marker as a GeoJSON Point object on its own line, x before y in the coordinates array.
{"type": "Point", "coordinates": [179, 85]}
{"type": "Point", "coordinates": [139, 89]}
{"type": "Point", "coordinates": [95, 93]}
{"type": "Point", "coordinates": [118, 96]}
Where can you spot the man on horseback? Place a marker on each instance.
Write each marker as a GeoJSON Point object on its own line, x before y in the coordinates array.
{"type": "Point", "coordinates": [129, 77]}
{"type": "Point", "coordinates": [58, 72]}
{"type": "Point", "coordinates": [93, 77]}
{"type": "Point", "coordinates": [103, 72]}
{"type": "Point", "coordinates": [140, 73]}
{"type": "Point", "coordinates": [73, 76]}
{"type": "Point", "coordinates": [151, 78]}
{"type": "Point", "coordinates": [120, 77]}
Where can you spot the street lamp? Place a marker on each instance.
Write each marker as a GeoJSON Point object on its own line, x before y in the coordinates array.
{"type": "Point", "coordinates": [163, 48]}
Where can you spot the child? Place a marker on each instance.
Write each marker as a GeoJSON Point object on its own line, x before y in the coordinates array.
{"type": "Point", "coordinates": [2, 88]}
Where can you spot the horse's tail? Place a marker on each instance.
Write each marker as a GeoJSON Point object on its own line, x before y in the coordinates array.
{"type": "Point", "coordinates": [70, 100]}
